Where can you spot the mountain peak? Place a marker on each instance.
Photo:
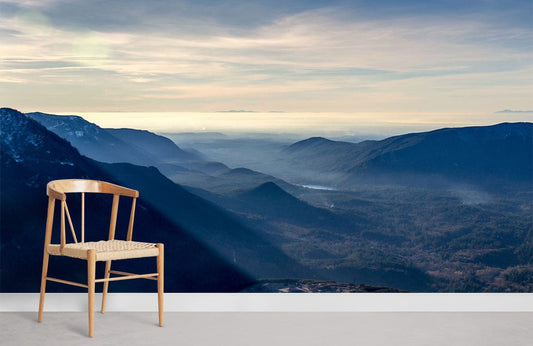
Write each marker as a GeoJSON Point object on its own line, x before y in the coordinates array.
{"type": "Point", "coordinates": [23, 139]}
{"type": "Point", "coordinates": [268, 190]}
{"type": "Point", "coordinates": [268, 186]}
{"type": "Point", "coordinates": [70, 127]}
{"type": "Point", "coordinates": [316, 139]}
{"type": "Point", "coordinates": [6, 110]}
{"type": "Point", "coordinates": [313, 143]}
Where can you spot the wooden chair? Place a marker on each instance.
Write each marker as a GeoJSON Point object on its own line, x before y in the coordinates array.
{"type": "Point", "coordinates": [92, 252]}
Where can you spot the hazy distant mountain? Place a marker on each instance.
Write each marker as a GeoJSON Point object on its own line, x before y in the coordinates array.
{"type": "Point", "coordinates": [145, 148]}
{"type": "Point", "coordinates": [113, 145]}
{"type": "Point", "coordinates": [186, 137]}
{"type": "Point", "coordinates": [481, 155]}
{"type": "Point", "coordinates": [91, 140]}
{"type": "Point", "coordinates": [160, 148]}
{"type": "Point", "coordinates": [325, 155]}
{"type": "Point", "coordinates": [214, 251]}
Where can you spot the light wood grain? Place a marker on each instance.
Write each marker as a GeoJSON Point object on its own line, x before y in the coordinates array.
{"type": "Point", "coordinates": [114, 213]}
{"type": "Point", "coordinates": [70, 224]}
{"type": "Point", "coordinates": [91, 270]}
{"type": "Point", "coordinates": [131, 274]}
{"type": "Point", "coordinates": [96, 251]}
{"type": "Point", "coordinates": [61, 281]}
{"type": "Point", "coordinates": [132, 218]}
{"type": "Point", "coordinates": [83, 217]}
{"type": "Point", "coordinates": [106, 285]}
{"type": "Point", "coordinates": [46, 256]}
{"type": "Point", "coordinates": [58, 188]}
{"type": "Point", "coordinates": [128, 277]}
{"type": "Point", "coordinates": [63, 240]}
{"type": "Point", "coordinates": [160, 281]}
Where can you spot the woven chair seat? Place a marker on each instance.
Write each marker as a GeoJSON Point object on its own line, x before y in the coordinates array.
{"type": "Point", "coordinates": [106, 249]}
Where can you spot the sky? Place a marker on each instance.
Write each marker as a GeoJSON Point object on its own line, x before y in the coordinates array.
{"type": "Point", "coordinates": [252, 63]}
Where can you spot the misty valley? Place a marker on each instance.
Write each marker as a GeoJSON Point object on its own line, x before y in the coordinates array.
{"type": "Point", "coordinates": [449, 210]}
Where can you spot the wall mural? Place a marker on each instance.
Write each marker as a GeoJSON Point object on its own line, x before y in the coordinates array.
{"type": "Point", "coordinates": [302, 147]}
{"type": "Point", "coordinates": [440, 211]}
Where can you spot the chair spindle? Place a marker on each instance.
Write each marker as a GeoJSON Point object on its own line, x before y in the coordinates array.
{"type": "Point", "coordinates": [132, 217]}
{"type": "Point", "coordinates": [83, 217]}
{"type": "Point", "coordinates": [70, 224]}
{"type": "Point", "coordinates": [63, 240]}
{"type": "Point", "coordinates": [114, 212]}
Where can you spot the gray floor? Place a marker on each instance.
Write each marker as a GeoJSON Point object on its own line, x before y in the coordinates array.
{"type": "Point", "coordinates": [242, 328]}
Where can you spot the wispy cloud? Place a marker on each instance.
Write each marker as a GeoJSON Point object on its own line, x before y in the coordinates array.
{"type": "Point", "coordinates": [314, 59]}
{"type": "Point", "coordinates": [515, 111]}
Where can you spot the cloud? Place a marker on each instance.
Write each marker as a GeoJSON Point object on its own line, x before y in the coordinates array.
{"type": "Point", "coordinates": [295, 58]}
{"type": "Point", "coordinates": [514, 111]}
{"type": "Point", "coordinates": [237, 111]}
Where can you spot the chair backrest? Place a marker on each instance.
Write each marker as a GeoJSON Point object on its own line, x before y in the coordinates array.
{"type": "Point", "coordinates": [58, 190]}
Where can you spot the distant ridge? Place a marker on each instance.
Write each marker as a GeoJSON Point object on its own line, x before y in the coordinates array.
{"type": "Point", "coordinates": [480, 155]}
{"type": "Point", "coordinates": [156, 146]}
{"type": "Point", "coordinates": [313, 142]}
{"type": "Point", "coordinates": [144, 148]}
{"type": "Point", "coordinates": [113, 145]}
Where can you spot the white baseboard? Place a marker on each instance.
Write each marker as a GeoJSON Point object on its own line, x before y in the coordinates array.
{"type": "Point", "coordinates": [279, 302]}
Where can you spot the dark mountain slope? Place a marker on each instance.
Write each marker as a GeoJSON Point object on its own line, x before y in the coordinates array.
{"type": "Point", "coordinates": [160, 148]}
{"type": "Point", "coordinates": [282, 217]}
{"type": "Point", "coordinates": [244, 178]}
{"type": "Point", "coordinates": [325, 155]}
{"type": "Point", "coordinates": [486, 155]}
{"type": "Point", "coordinates": [503, 151]}
{"type": "Point", "coordinates": [92, 140]}
{"type": "Point", "coordinates": [212, 225]}
{"type": "Point", "coordinates": [138, 147]}
{"type": "Point", "coordinates": [209, 253]}
{"type": "Point", "coordinates": [274, 203]}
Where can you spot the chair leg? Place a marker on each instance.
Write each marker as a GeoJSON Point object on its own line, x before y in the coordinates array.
{"type": "Point", "coordinates": [43, 285]}
{"type": "Point", "coordinates": [160, 280]}
{"type": "Point", "coordinates": [91, 271]}
{"type": "Point", "coordinates": [46, 256]}
{"type": "Point", "coordinates": [106, 285]}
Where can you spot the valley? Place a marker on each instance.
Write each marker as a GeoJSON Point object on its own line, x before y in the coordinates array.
{"type": "Point", "coordinates": [441, 211]}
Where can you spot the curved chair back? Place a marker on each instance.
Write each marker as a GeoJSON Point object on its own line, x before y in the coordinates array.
{"type": "Point", "coordinates": [57, 190]}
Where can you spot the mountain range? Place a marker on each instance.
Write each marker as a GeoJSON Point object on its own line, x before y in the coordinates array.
{"type": "Point", "coordinates": [445, 210]}
{"type": "Point", "coordinates": [483, 155]}
{"type": "Point", "coordinates": [144, 148]}
{"type": "Point", "coordinates": [114, 145]}
{"type": "Point", "coordinates": [208, 249]}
